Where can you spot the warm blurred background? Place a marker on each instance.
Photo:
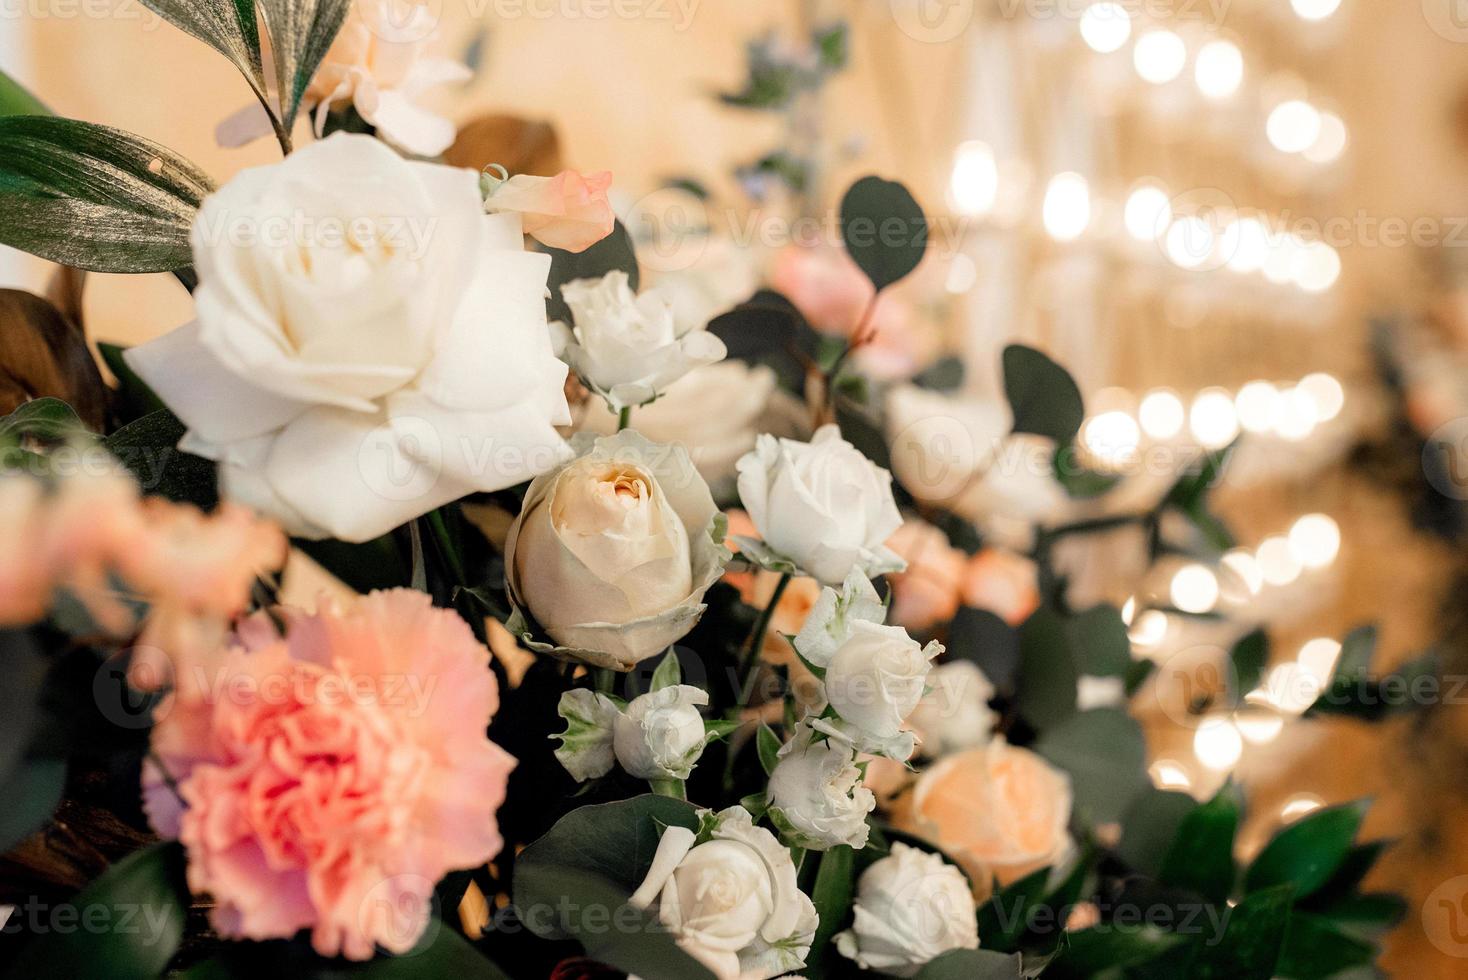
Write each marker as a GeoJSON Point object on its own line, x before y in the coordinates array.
{"type": "Point", "coordinates": [1196, 205]}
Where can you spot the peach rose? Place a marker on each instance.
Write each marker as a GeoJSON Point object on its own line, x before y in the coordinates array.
{"type": "Point", "coordinates": [332, 776]}
{"type": "Point", "coordinates": [568, 211]}
{"type": "Point", "coordinates": [1002, 582]}
{"type": "Point", "coordinates": [927, 593]}
{"type": "Point", "coordinates": [25, 588]}
{"type": "Point", "coordinates": [998, 809]}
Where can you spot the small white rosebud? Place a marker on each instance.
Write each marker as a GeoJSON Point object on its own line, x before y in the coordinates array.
{"type": "Point", "coordinates": [816, 794]}
{"type": "Point", "coordinates": [660, 735]}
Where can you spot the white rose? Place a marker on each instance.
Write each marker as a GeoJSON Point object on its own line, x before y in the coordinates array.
{"type": "Point", "coordinates": [369, 345]}
{"type": "Point", "coordinates": [816, 794]}
{"type": "Point", "coordinates": [873, 675]}
{"type": "Point", "coordinates": [731, 902]}
{"type": "Point", "coordinates": [954, 715]}
{"type": "Point", "coordinates": [715, 412]}
{"type": "Point", "coordinates": [613, 551]}
{"type": "Point", "coordinates": [628, 348]}
{"type": "Point", "coordinates": [877, 677]}
{"type": "Point", "coordinates": [820, 506]}
{"type": "Point", "coordinates": [661, 734]}
{"type": "Point", "coordinates": [911, 907]}
{"type": "Point", "coordinates": [960, 454]}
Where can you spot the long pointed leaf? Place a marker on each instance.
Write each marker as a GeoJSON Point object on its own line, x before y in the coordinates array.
{"type": "Point", "coordinates": [301, 31]}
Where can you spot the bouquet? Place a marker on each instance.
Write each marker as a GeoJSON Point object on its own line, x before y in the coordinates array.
{"type": "Point", "coordinates": [633, 657]}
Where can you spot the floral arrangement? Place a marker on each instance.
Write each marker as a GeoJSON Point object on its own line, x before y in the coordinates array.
{"type": "Point", "coordinates": [666, 645]}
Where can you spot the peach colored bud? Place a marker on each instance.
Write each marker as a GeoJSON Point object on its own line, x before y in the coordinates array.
{"type": "Point", "coordinates": [1002, 582]}
{"type": "Point", "coordinates": [569, 211]}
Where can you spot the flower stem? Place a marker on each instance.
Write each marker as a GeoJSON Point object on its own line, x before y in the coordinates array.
{"type": "Point", "coordinates": [624, 417]}
{"type": "Point", "coordinates": [756, 642]}
{"type": "Point", "coordinates": [861, 335]}
{"type": "Point", "coordinates": [445, 541]}
{"type": "Point", "coordinates": [674, 788]}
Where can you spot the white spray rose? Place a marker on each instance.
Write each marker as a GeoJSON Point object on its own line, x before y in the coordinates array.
{"type": "Point", "coordinates": [911, 907]}
{"type": "Point", "coordinates": [820, 507]}
{"type": "Point", "coordinates": [954, 715]}
{"type": "Point", "coordinates": [873, 675]}
{"type": "Point", "coordinates": [613, 551]}
{"type": "Point", "coordinates": [732, 901]}
{"type": "Point", "coordinates": [369, 344]}
{"type": "Point", "coordinates": [628, 348]}
{"type": "Point", "coordinates": [659, 735]}
{"type": "Point", "coordinates": [816, 795]}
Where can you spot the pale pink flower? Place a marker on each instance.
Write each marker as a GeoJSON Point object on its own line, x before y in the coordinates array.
{"type": "Point", "coordinates": [1002, 582]}
{"type": "Point", "coordinates": [25, 580]}
{"type": "Point", "coordinates": [927, 593]}
{"type": "Point", "coordinates": [569, 211]}
{"type": "Point", "coordinates": [329, 778]}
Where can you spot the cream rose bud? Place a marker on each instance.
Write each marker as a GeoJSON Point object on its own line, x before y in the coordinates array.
{"type": "Point", "coordinates": [369, 344]}
{"type": "Point", "coordinates": [661, 734]}
{"type": "Point", "coordinates": [911, 907]}
{"type": "Point", "coordinates": [628, 348]}
{"type": "Point", "coordinates": [820, 506]}
{"type": "Point", "coordinates": [954, 714]}
{"type": "Point", "coordinates": [998, 809]}
{"type": "Point", "coordinates": [612, 552]}
{"type": "Point", "coordinates": [816, 795]}
{"type": "Point", "coordinates": [731, 902]}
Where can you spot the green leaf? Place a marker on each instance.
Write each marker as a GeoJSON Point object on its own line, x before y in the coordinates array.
{"type": "Point", "coordinates": [16, 100]}
{"type": "Point", "coordinates": [1252, 941]}
{"type": "Point", "coordinates": [1357, 650]}
{"type": "Point", "coordinates": [31, 793]}
{"type": "Point", "coordinates": [227, 26]}
{"type": "Point", "coordinates": [1048, 672]}
{"type": "Point", "coordinates": [1201, 856]}
{"type": "Point", "coordinates": [1042, 395]}
{"type": "Point", "coordinates": [1315, 948]}
{"type": "Point", "coordinates": [1099, 950]}
{"type": "Point", "coordinates": [768, 745]}
{"type": "Point", "coordinates": [301, 31]}
{"type": "Point", "coordinates": [832, 43]}
{"type": "Point", "coordinates": [149, 449]}
{"type": "Point", "coordinates": [668, 673]}
{"type": "Point", "coordinates": [25, 674]}
{"type": "Point", "coordinates": [834, 887]}
{"type": "Point", "coordinates": [1099, 638]}
{"type": "Point", "coordinates": [1307, 853]}
{"type": "Point", "coordinates": [612, 252]}
{"type": "Point", "coordinates": [48, 420]}
{"type": "Point", "coordinates": [884, 229]}
{"type": "Point", "coordinates": [614, 840]}
{"type": "Point", "coordinates": [1149, 827]}
{"type": "Point", "coordinates": [1247, 661]}
{"type": "Point", "coordinates": [1366, 916]}
{"type": "Point", "coordinates": [1106, 757]}
{"type": "Point", "coordinates": [1358, 862]}
{"type": "Point", "coordinates": [148, 888]}
{"type": "Point", "coordinates": [1192, 488]}
{"type": "Point", "coordinates": [972, 964]}
{"type": "Point", "coordinates": [1005, 917]}
{"type": "Point", "coordinates": [95, 198]}
{"type": "Point", "coordinates": [134, 398]}
{"type": "Point", "coordinates": [981, 637]}
{"type": "Point", "coordinates": [945, 374]}
{"type": "Point", "coordinates": [1079, 482]}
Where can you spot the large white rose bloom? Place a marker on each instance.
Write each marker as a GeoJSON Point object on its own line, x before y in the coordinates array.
{"type": "Point", "coordinates": [369, 345]}
{"type": "Point", "coordinates": [911, 907]}
{"type": "Point", "coordinates": [821, 507]}
{"type": "Point", "coordinates": [733, 901]}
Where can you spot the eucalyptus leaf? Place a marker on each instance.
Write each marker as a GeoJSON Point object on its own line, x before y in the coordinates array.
{"type": "Point", "coordinates": [972, 964]}
{"type": "Point", "coordinates": [147, 887]}
{"type": "Point", "coordinates": [1048, 674]}
{"type": "Point", "coordinates": [1042, 395]}
{"type": "Point", "coordinates": [16, 100]}
{"type": "Point", "coordinates": [1247, 661]}
{"type": "Point", "coordinates": [884, 230]}
{"type": "Point", "coordinates": [1005, 917]}
{"type": "Point", "coordinates": [1106, 757]}
{"type": "Point", "coordinates": [95, 198]}
{"type": "Point", "coordinates": [149, 449]}
{"type": "Point", "coordinates": [1099, 638]}
{"type": "Point", "coordinates": [1149, 827]}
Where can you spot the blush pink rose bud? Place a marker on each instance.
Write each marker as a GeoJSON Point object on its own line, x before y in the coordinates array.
{"type": "Point", "coordinates": [1002, 582]}
{"type": "Point", "coordinates": [327, 779]}
{"type": "Point", "coordinates": [569, 211]}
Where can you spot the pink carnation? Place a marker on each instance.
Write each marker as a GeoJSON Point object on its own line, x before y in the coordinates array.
{"type": "Point", "coordinates": [328, 779]}
{"type": "Point", "coordinates": [569, 211]}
